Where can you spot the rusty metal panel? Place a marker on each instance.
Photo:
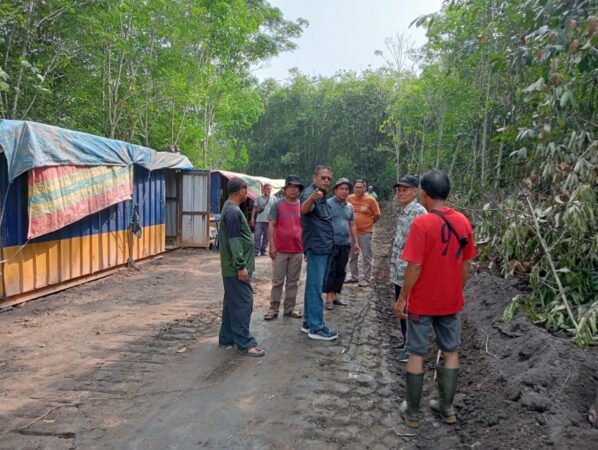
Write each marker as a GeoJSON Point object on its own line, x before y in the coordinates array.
{"type": "Point", "coordinates": [195, 207]}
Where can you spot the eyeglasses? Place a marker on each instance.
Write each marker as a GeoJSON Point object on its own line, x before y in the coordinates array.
{"type": "Point", "coordinates": [326, 178]}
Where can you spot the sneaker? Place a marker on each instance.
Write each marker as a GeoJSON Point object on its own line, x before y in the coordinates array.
{"type": "Point", "coordinates": [323, 335]}
{"type": "Point", "coordinates": [305, 329]}
{"type": "Point", "coordinates": [404, 357]}
{"type": "Point", "coordinates": [351, 280]}
{"type": "Point", "coordinates": [339, 302]}
{"type": "Point", "coordinates": [363, 283]}
{"type": "Point", "coordinates": [400, 346]}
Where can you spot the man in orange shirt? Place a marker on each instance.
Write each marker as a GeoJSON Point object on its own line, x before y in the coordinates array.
{"type": "Point", "coordinates": [367, 213]}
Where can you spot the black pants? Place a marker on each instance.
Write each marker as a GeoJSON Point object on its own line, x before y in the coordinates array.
{"type": "Point", "coordinates": [403, 321]}
{"type": "Point", "coordinates": [337, 272]}
{"type": "Point", "coordinates": [236, 313]}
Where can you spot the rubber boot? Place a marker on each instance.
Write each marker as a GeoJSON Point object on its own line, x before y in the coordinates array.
{"type": "Point", "coordinates": [447, 386]}
{"type": "Point", "coordinates": [409, 408]}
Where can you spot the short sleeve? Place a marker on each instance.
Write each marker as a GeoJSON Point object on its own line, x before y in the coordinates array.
{"type": "Point", "coordinates": [375, 207]}
{"type": "Point", "coordinates": [415, 245]}
{"type": "Point", "coordinates": [273, 215]}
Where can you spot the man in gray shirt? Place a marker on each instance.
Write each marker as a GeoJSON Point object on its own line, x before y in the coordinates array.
{"type": "Point", "coordinates": [343, 222]}
{"type": "Point", "coordinates": [259, 219]}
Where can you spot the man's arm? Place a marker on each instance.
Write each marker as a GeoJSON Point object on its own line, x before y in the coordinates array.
{"type": "Point", "coordinates": [375, 210]}
{"type": "Point", "coordinates": [309, 201]}
{"type": "Point", "coordinates": [465, 270]}
{"type": "Point", "coordinates": [411, 275]}
{"type": "Point", "coordinates": [353, 230]}
{"type": "Point", "coordinates": [272, 244]}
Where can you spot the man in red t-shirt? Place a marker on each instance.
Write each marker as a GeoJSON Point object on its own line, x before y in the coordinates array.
{"type": "Point", "coordinates": [286, 249]}
{"type": "Point", "coordinates": [438, 251]}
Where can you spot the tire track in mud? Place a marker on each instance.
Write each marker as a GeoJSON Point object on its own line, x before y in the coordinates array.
{"type": "Point", "coordinates": [112, 383]}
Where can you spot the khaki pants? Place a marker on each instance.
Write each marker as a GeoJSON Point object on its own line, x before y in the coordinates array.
{"type": "Point", "coordinates": [285, 266]}
{"type": "Point", "coordinates": [365, 242]}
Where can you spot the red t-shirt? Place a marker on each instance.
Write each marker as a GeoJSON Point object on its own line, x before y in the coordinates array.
{"type": "Point", "coordinates": [439, 288]}
{"type": "Point", "coordinates": [287, 235]}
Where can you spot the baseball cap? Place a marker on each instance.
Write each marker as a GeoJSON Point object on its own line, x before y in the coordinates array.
{"type": "Point", "coordinates": [294, 180]}
{"type": "Point", "coordinates": [235, 184]}
{"type": "Point", "coordinates": [343, 181]}
{"type": "Point", "coordinates": [407, 180]}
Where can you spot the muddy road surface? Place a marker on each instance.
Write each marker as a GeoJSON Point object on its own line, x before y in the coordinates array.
{"type": "Point", "coordinates": [132, 362]}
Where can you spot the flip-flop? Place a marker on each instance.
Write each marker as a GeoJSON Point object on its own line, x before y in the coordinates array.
{"type": "Point", "coordinates": [256, 354]}
{"type": "Point", "coordinates": [270, 315]}
{"type": "Point", "coordinates": [294, 314]}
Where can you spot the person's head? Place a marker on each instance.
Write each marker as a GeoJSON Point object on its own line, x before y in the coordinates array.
{"type": "Point", "coordinates": [292, 187]}
{"type": "Point", "coordinates": [322, 177]}
{"type": "Point", "coordinates": [267, 189]}
{"type": "Point", "coordinates": [359, 187]}
{"type": "Point", "coordinates": [370, 188]}
{"type": "Point", "coordinates": [435, 186]}
{"type": "Point", "coordinates": [342, 189]}
{"type": "Point", "coordinates": [406, 190]}
{"type": "Point", "coordinates": [236, 189]}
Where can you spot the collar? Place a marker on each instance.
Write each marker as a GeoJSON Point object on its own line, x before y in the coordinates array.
{"type": "Point", "coordinates": [409, 206]}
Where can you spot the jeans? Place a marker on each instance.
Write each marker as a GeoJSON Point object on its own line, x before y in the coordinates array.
{"type": "Point", "coordinates": [260, 238]}
{"type": "Point", "coordinates": [313, 305]}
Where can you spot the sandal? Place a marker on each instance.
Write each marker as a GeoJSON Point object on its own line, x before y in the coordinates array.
{"type": "Point", "coordinates": [328, 306]}
{"type": "Point", "coordinates": [294, 314]}
{"type": "Point", "coordinates": [270, 315]}
{"type": "Point", "coordinates": [255, 352]}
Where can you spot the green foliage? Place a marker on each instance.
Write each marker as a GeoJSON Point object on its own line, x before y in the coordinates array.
{"type": "Point", "coordinates": [159, 73]}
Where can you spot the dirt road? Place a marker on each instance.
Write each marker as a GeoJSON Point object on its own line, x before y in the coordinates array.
{"type": "Point", "coordinates": [132, 362]}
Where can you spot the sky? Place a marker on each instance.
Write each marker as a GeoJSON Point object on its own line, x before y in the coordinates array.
{"type": "Point", "coordinates": [343, 34]}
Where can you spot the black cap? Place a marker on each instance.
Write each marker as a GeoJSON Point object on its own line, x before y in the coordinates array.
{"type": "Point", "coordinates": [294, 180]}
{"type": "Point", "coordinates": [407, 180]}
{"type": "Point", "coordinates": [235, 185]}
{"type": "Point", "coordinates": [343, 181]}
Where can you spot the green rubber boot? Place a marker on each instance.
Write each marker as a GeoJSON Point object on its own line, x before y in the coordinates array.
{"type": "Point", "coordinates": [409, 408]}
{"type": "Point", "coordinates": [447, 386]}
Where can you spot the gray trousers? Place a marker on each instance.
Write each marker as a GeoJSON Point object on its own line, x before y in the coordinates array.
{"type": "Point", "coordinates": [365, 242]}
{"type": "Point", "coordinates": [285, 266]}
{"type": "Point", "coordinates": [236, 313]}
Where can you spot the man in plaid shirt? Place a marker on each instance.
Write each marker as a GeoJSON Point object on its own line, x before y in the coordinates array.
{"type": "Point", "coordinates": [409, 209]}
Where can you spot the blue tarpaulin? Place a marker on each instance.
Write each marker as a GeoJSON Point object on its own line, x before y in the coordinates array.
{"type": "Point", "coordinates": [28, 145]}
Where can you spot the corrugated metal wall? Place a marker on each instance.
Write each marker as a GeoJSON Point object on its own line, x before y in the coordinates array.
{"type": "Point", "coordinates": [91, 245]}
{"type": "Point", "coordinates": [195, 212]}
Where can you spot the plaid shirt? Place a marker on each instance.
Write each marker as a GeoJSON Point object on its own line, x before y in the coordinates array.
{"type": "Point", "coordinates": [404, 221]}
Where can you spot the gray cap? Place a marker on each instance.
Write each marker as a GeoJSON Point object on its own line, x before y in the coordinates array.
{"type": "Point", "coordinates": [343, 181]}
{"type": "Point", "coordinates": [235, 184]}
{"type": "Point", "coordinates": [408, 181]}
{"type": "Point", "coordinates": [293, 180]}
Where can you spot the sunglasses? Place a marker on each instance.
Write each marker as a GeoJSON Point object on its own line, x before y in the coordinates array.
{"type": "Point", "coordinates": [326, 178]}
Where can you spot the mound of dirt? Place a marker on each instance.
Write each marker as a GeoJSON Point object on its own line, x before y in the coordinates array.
{"type": "Point", "coordinates": [520, 386]}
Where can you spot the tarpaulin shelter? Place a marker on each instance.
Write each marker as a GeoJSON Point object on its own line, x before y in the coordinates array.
{"type": "Point", "coordinates": [71, 202]}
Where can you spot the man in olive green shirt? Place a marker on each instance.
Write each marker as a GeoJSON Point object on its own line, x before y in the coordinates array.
{"type": "Point", "coordinates": [237, 261]}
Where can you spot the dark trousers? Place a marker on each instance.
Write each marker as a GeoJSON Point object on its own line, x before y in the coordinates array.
{"type": "Point", "coordinates": [337, 271]}
{"type": "Point", "coordinates": [236, 314]}
{"type": "Point", "coordinates": [403, 321]}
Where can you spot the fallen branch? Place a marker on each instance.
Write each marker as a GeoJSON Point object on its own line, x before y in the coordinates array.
{"type": "Point", "coordinates": [565, 382]}
{"type": "Point", "coordinates": [49, 411]}
{"type": "Point", "coordinates": [487, 339]}
{"type": "Point", "coordinates": [536, 229]}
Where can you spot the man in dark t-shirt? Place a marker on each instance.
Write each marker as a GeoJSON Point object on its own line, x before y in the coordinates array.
{"type": "Point", "coordinates": [438, 251]}
{"type": "Point", "coordinates": [237, 262]}
{"type": "Point", "coordinates": [318, 241]}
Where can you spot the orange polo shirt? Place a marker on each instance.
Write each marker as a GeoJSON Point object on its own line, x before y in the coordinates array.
{"type": "Point", "coordinates": [365, 209]}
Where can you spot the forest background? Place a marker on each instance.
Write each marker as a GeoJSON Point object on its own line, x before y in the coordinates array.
{"type": "Point", "coordinates": [503, 97]}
